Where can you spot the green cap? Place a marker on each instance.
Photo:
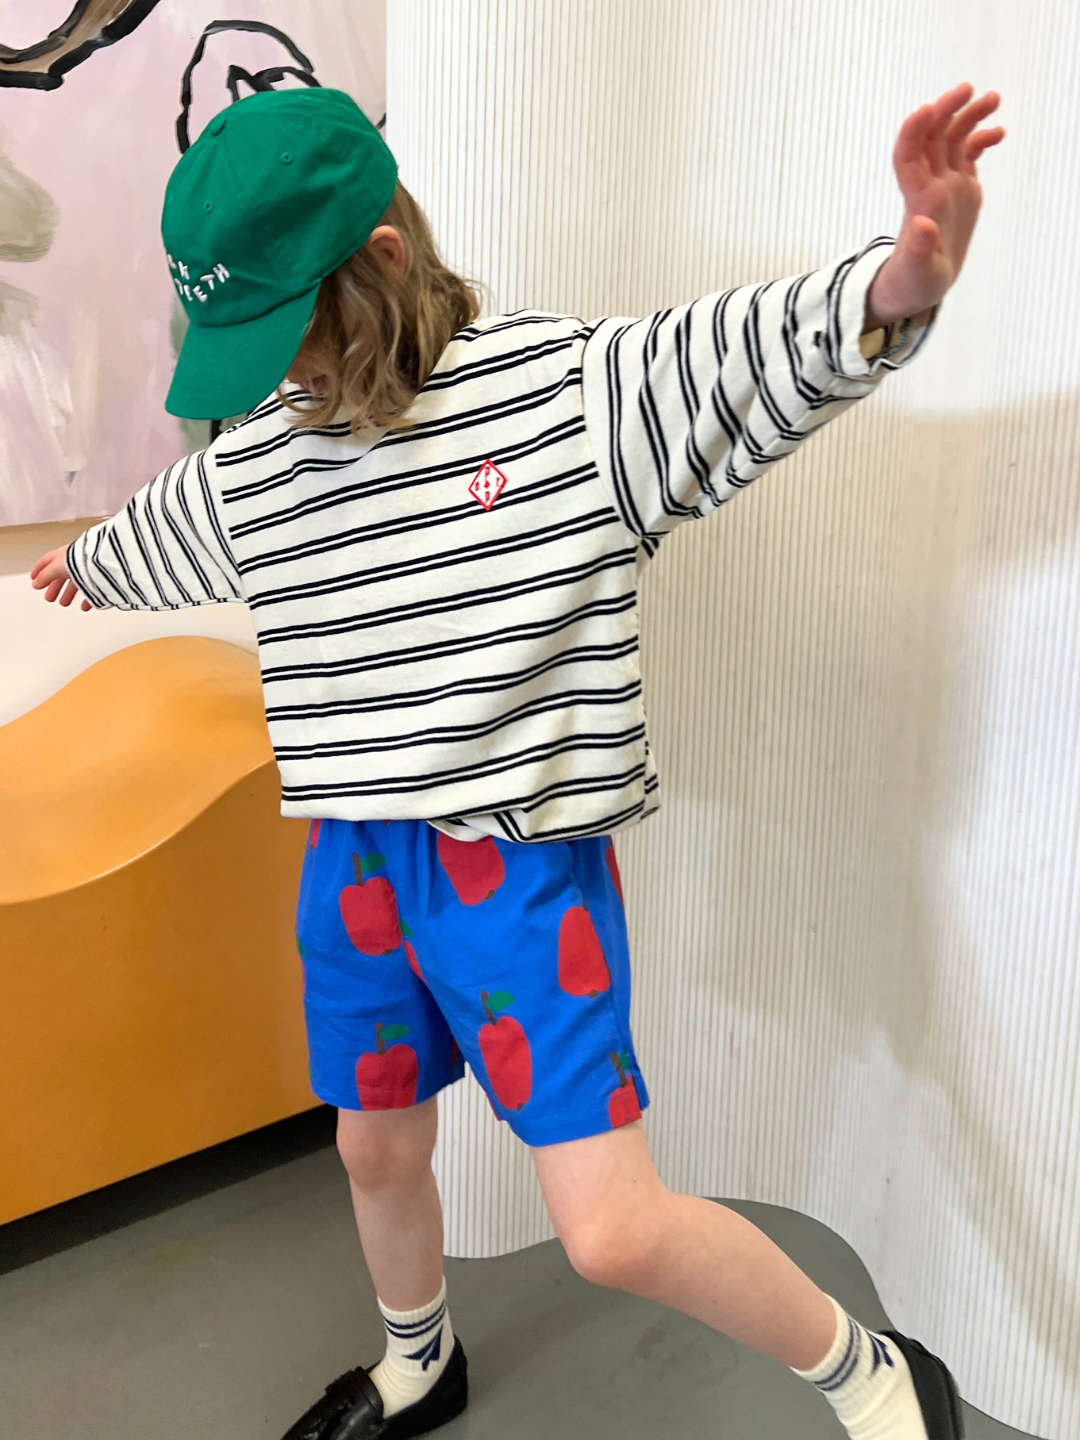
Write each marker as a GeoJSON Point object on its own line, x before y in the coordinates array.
{"type": "Point", "coordinates": [277, 192]}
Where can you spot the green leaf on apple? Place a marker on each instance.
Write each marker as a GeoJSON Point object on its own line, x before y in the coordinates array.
{"type": "Point", "coordinates": [625, 1058]}
{"type": "Point", "coordinates": [390, 1033]}
{"type": "Point", "coordinates": [300, 947]}
{"type": "Point", "coordinates": [500, 1000]}
{"type": "Point", "coordinates": [372, 862]}
{"type": "Point", "coordinates": [406, 931]}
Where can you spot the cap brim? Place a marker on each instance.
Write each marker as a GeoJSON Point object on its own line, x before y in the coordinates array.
{"type": "Point", "coordinates": [226, 370]}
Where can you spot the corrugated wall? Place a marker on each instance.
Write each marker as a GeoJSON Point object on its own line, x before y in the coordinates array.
{"type": "Point", "coordinates": [856, 920]}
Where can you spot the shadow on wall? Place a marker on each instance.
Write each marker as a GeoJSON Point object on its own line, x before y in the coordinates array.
{"type": "Point", "coordinates": [862, 689]}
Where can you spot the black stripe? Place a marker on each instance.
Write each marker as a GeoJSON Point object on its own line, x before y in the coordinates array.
{"type": "Point", "coordinates": [460, 734]}
{"type": "Point", "coordinates": [609, 822]}
{"type": "Point", "coordinates": [121, 559]}
{"type": "Point", "coordinates": [103, 571]}
{"type": "Point", "coordinates": [305, 465]}
{"type": "Point", "coordinates": [81, 576]}
{"type": "Point", "coordinates": [512, 320]}
{"type": "Point", "coordinates": [624, 491]}
{"type": "Point", "coordinates": [496, 765]}
{"type": "Point", "coordinates": [501, 409]}
{"type": "Point", "coordinates": [468, 512]}
{"type": "Point", "coordinates": [177, 478]}
{"type": "Point", "coordinates": [477, 685]}
{"type": "Point", "coordinates": [414, 565]}
{"type": "Point", "coordinates": [520, 402]}
{"type": "Point", "coordinates": [156, 533]}
{"type": "Point", "coordinates": [456, 645]}
{"type": "Point", "coordinates": [497, 364]}
{"type": "Point", "coordinates": [218, 528]}
{"type": "Point", "coordinates": [462, 599]}
{"type": "Point", "coordinates": [367, 487]}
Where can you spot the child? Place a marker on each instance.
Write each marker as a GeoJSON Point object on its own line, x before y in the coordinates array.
{"type": "Point", "coordinates": [437, 530]}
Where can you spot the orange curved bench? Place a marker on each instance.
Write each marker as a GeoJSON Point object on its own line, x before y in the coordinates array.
{"type": "Point", "coordinates": [151, 989]}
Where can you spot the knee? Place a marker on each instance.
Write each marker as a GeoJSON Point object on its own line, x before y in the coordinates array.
{"type": "Point", "coordinates": [615, 1249]}
{"type": "Point", "coordinates": [381, 1155]}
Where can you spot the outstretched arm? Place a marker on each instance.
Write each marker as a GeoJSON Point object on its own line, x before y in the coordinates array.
{"type": "Point", "coordinates": [166, 550]}
{"type": "Point", "coordinates": [686, 407]}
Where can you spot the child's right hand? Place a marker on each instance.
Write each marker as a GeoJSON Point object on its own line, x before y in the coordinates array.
{"type": "Point", "coordinates": [51, 574]}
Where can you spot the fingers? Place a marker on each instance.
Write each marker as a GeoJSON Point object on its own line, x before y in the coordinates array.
{"type": "Point", "coordinates": [41, 574]}
{"type": "Point", "coordinates": [944, 109]}
{"type": "Point", "coordinates": [911, 142]}
{"type": "Point", "coordinates": [45, 578]}
{"type": "Point", "coordinates": [964, 123]}
{"type": "Point", "coordinates": [980, 141]}
{"type": "Point", "coordinates": [69, 593]}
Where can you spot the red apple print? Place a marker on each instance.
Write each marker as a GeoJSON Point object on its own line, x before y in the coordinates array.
{"type": "Point", "coordinates": [410, 952]}
{"type": "Point", "coordinates": [582, 967]}
{"type": "Point", "coordinates": [313, 837]}
{"type": "Point", "coordinates": [613, 867]}
{"type": "Point", "coordinates": [369, 909]}
{"type": "Point", "coordinates": [386, 1079]}
{"type": "Point", "coordinates": [506, 1052]}
{"type": "Point", "coordinates": [414, 963]}
{"type": "Point", "coordinates": [623, 1106]}
{"type": "Point", "coordinates": [474, 867]}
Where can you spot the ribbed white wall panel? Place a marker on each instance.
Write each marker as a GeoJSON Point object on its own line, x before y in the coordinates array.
{"type": "Point", "coordinates": [856, 921]}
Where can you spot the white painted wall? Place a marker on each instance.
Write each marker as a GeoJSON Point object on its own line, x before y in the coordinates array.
{"type": "Point", "coordinates": [856, 920]}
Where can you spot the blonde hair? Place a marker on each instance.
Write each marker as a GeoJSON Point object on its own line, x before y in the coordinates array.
{"type": "Point", "coordinates": [377, 333]}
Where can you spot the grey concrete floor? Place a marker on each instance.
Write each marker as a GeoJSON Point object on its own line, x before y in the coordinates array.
{"type": "Point", "coordinates": [223, 1317]}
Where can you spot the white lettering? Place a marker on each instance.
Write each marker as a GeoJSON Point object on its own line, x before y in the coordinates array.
{"type": "Point", "coordinates": [216, 275]}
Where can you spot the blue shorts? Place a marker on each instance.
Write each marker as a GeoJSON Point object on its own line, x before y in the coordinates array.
{"type": "Point", "coordinates": [422, 952]}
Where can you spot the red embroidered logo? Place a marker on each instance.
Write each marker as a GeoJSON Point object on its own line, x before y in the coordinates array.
{"type": "Point", "coordinates": [488, 484]}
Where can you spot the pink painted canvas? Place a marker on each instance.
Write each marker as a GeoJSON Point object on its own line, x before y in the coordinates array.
{"type": "Point", "coordinates": [89, 101]}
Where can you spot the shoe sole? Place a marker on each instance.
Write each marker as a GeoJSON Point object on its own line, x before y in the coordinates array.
{"type": "Point", "coordinates": [441, 1405]}
{"type": "Point", "coordinates": [453, 1405]}
{"type": "Point", "coordinates": [935, 1389]}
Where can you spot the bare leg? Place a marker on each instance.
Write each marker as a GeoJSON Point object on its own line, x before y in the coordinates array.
{"type": "Point", "coordinates": [387, 1154]}
{"type": "Point", "coordinates": [623, 1228]}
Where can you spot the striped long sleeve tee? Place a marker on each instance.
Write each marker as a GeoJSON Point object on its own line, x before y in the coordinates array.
{"type": "Point", "coordinates": [447, 612]}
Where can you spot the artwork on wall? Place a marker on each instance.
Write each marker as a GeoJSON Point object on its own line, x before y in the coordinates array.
{"type": "Point", "coordinates": [97, 99]}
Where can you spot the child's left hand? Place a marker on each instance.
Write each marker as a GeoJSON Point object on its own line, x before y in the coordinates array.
{"type": "Point", "coordinates": [51, 574]}
{"type": "Point", "coordinates": [934, 160]}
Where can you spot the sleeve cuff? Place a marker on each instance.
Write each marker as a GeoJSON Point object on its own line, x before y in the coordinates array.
{"type": "Point", "coordinates": [853, 355]}
{"type": "Point", "coordinates": [78, 574]}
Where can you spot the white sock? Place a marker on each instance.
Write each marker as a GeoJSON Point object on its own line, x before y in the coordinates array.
{"type": "Point", "coordinates": [866, 1380]}
{"type": "Point", "coordinates": [418, 1345]}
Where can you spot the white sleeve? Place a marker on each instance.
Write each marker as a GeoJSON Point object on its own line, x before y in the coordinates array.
{"type": "Point", "coordinates": [686, 407]}
{"type": "Point", "coordinates": [167, 549]}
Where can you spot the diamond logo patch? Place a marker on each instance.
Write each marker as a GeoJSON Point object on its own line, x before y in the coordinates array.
{"type": "Point", "coordinates": [488, 484]}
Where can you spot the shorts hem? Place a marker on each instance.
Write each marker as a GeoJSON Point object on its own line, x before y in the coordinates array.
{"type": "Point", "coordinates": [329, 1096]}
{"type": "Point", "coordinates": [582, 1125]}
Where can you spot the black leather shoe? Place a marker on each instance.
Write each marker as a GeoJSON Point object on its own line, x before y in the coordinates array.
{"type": "Point", "coordinates": [936, 1389]}
{"type": "Point", "coordinates": [351, 1408]}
